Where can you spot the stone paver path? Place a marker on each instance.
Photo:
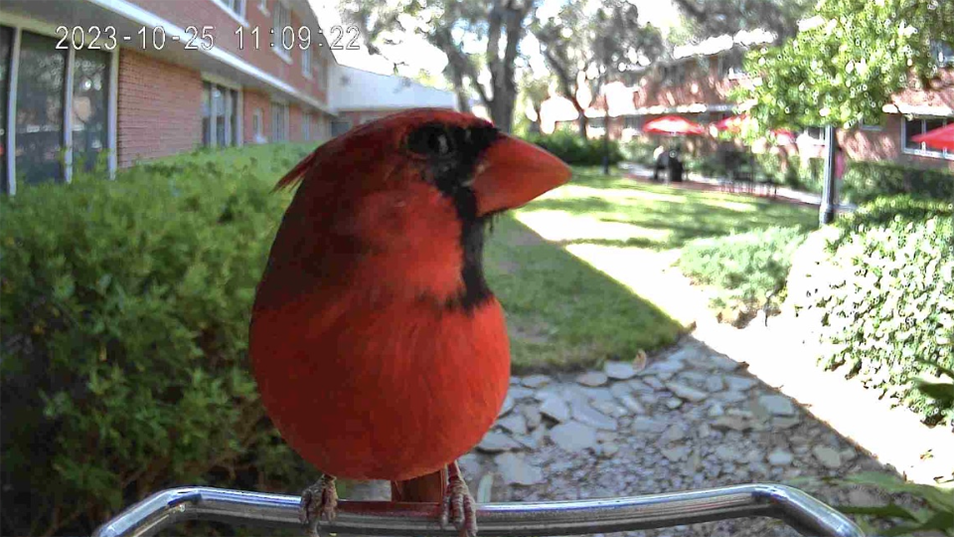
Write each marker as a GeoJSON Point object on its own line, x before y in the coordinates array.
{"type": "Point", "coordinates": [691, 419]}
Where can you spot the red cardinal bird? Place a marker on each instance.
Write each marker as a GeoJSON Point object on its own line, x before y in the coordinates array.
{"type": "Point", "coordinates": [379, 350]}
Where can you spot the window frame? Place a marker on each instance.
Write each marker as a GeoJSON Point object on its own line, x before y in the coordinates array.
{"type": "Point", "coordinates": [924, 151]}
{"type": "Point", "coordinates": [633, 122]}
{"type": "Point", "coordinates": [257, 119]}
{"type": "Point", "coordinates": [240, 16]}
{"type": "Point", "coordinates": [823, 140]}
{"type": "Point", "coordinates": [20, 24]}
{"type": "Point", "coordinates": [307, 62]}
{"type": "Point", "coordinates": [233, 99]}
{"type": "Point", "coordinates": [279, 8]}
{"type": "Point", "coordinates": [591, 123]}
{"type": "Point", "coordinates": [306, 126]}
{"type": "Point", "coordinates": [286, 119]}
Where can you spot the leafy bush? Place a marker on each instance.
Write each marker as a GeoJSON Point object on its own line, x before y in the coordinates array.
{"type": "Point", "coordinates": [574, 149]}
{"type": "Point", "coordinates": [706, 164]}
{"type": "Point", "coordinates": [747, 270]}
{"type": "Point", "coordinates": [638, 151]}
{"type": "Point", "coordinates": [937, 514]}
{"type": "Point", "coordinates": [864, 181]}
{"type": "Point", "coordinates": [883, 299]}
{"type": "Point", "coordinates": [805, 177]}
{"type": "Point", "coordinates": [884, 211]}
{"type": "Point", "coordinates": [125, 314]}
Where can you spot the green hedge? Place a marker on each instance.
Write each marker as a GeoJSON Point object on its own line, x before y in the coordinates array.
{"type": "Point", "coordinates": [805, 177]}
{"type": "Point", "coordinates": [864, 181]}
{"type": "Point", "coordinates": [575, 150]}
{"type": "Point", "coordinates": [747, 271]}
{"type": "Point", "coordinates": [124, 319]}
{"type": "Point", "coordinates": [639, 151]}
{"type": "Point", "coordinates": [879, 289]}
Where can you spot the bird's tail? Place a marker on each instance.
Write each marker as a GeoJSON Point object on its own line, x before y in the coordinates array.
{"type": "Point", "coordinates": [428, 488]}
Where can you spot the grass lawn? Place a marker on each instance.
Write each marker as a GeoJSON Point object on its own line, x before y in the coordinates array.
{"type": "Point", "coordinates": [584, 271]}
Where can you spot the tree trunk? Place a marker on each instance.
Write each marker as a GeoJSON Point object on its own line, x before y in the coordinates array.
{"type": "Point", "coordinates": [537, 126]}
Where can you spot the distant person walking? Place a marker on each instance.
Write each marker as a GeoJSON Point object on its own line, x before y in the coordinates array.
{"type": "Point", "coordinates": [660, 160]}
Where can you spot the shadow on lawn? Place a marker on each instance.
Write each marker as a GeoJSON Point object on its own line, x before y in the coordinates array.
{"type": "Point", "coordinates": [700, 215]}
{"type": "Point", "coordinates": [561, 312]}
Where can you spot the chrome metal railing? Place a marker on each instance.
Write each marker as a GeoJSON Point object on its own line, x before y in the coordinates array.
{"type": "Point", "coordinates": [794, 507]}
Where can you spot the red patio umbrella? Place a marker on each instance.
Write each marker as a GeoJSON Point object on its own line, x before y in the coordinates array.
{"type": "Point", "coordinates": [672, 125]}
{"type": "Point", "coordinates": [784, 137]}
{"type": "Point", "coordinates": [731, 123]}
{"type": "Point", "coordinates": [941, 138]}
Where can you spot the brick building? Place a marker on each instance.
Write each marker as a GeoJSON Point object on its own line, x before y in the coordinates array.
{"type": "Point", "coordinates": [697, 84]}
{"type": "Point", "coordinates": [150, 78]}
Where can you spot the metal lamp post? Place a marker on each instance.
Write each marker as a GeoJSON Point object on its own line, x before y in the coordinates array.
{"type": "Point", "coordinates": [826, 209]}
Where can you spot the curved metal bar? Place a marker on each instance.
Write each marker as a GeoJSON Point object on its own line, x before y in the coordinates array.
{"type": "Point", "coordinates": [798, 509]}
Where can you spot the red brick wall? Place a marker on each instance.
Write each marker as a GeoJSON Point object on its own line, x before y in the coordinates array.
{"type": "Point", "coordinates": [702, 84]}
{"type": "Point", "coordinates": [159, 108]}
{"type": "Point", "coordinates": [255, 100]}
{"type": "Point", "coordinates": [201, 13]}
{"type": "Point", "coordinates": [294, 123]}
{"type": "Point", "coordinates": [885, 144]}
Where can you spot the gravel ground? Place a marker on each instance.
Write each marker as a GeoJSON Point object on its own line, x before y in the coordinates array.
{"type": "Point", "coordinates": [691, 419]}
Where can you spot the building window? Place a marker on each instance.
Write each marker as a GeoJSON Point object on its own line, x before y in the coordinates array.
{"type": "Point", "coordinates": [236, 7]}
{"type": "Point", "coordinates": [306, 127]}
{"type": "Point", "coordinates": [915, 126]}
{"type": "Point", "coordinates": [279, 122]}
{"type": "Point", "coordinates": [59, 107]}
{"type": "Point", "coordinates": [730, 66]}
{"type": "Point", "coordinates": [943, 54]}
{"type": "Point", "coordinates": [633, 122]}
{"type": "Point", "coordinates": [39, 116]}
{"type": "Point", "coordinates": [674, 74]}
{"type": "Point", "coordinates": [90, 106]}
{"type": "Point", "coordinates": [257, 135]}
{"type": "Point", "coordinates": [817, 134]}
{"type": "Point", "coordinates": [597, 122]}
{"type": "Point", "coordinates": [6, 51]}
{"type": "Point", "coordinates": [281, 19]}
{"type": "Point", "coordinates": [306, 62]}
{"type": "Point", "coordinates": [219, 116]}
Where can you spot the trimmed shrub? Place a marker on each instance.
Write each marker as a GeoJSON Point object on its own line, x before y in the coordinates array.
{"type": "Point", "coordinates": [864, 181]}
{"type": "Point", "coordinates": [804, 177]}
{"type": "Point", "coordinates": [638, 151]}
{"type": "Point", "coordinates": [879, 290]}
{"type": "Point", "coordinates": [125, 315]}
{"type": "Point", "coordinates": [746, 270]}
{"type": "Point", "coordinates": [573, 149]}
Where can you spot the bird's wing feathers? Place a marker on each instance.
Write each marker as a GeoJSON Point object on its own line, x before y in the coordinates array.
{"type": "Point", "coordinates": [296, 173]}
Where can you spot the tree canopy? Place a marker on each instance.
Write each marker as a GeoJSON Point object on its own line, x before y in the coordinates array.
{"type": "Point", "coordinates": [585, 44]}
{"type": "Point", "coordinates": [848, 60]}
{"type": "Point", "coordinates": [708, 18]}
{"type": "Point", "coordinates": [455, 27]}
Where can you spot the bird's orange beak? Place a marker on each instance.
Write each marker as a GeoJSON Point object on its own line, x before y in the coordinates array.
{"type": "Point", "coordinates": [513, 172]}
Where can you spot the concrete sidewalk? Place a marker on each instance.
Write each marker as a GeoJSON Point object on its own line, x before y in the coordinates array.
{"type": "Point", "coordinates": [782, 192]}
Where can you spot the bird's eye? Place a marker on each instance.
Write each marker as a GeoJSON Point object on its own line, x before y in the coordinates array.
{"type": "Point", "coordinates": [431, 141]}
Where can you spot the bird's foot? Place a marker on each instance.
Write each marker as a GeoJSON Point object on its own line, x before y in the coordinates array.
{"type": "Point", "coordinates": [318, 501]}
{"type": "Point", "coordinates": [459, 507]}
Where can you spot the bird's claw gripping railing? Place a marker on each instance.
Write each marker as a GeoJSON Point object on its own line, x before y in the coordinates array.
{"type": "Point", "coordinates": [796, 508]}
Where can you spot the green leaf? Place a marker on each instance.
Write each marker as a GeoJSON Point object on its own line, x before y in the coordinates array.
{"type": "Point", "coordinates": [891, 510]}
